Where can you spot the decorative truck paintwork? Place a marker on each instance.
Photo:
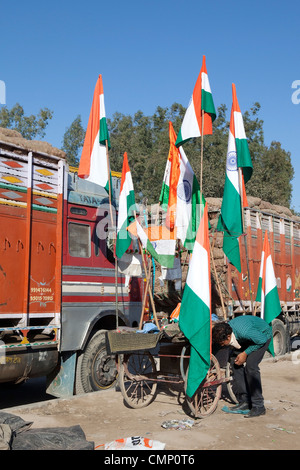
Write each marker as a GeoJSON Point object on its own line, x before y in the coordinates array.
{"type": "Point", "coordinates": [58, 279]}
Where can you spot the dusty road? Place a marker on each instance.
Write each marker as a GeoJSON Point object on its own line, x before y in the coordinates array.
{"type": "Point", "coordinates": [104, 417]}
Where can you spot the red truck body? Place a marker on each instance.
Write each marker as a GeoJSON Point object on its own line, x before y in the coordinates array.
{"type": "Point", "coordinates": [58, 280]}
{"type": "Point", "coordinates": [284, 238]}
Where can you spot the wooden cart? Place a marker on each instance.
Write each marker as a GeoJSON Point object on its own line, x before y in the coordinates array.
{"type": "Point", "coordinates": [141, 363]}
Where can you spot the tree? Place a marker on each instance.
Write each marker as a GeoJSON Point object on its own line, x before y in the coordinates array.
{"type": "Point", "coordinates": [276, 173]}
{"type": "Point", "coordinates": [146, 140]}
{"type": "Point", "coordinates": [73, 140]}
{"type": "Point", "coordinates": [29, 127]}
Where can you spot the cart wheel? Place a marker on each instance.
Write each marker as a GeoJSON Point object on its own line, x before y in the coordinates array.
{"type": "Point", "coordinates": [184, 361]}
{"type": "Point", "coordinates": [230, 384]}
{"type": "Point", "coordinates": [205, 400]}
{"type": "Point", "coordinates": [137, 390]}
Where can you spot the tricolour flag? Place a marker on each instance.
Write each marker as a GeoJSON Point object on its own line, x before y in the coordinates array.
{"type": "Point", "coordinates": [195, 310]}
{"type": "Point", "coordinates": [180, 195]}
{"type": "Point", "coordinates": [168, 195]}
{"type": "Point", "coordinates": [234, 197]}
{"type": "Point", "coordinates": [127, 208]}
{"type": "Point", "coordinates": [201, 100]}
{"type": "Point", "coordinates": [162, 249]}
{"type": "Point", "coordinates": [267, 292]}
{"type": "Point", "coordinates": [93, 164]}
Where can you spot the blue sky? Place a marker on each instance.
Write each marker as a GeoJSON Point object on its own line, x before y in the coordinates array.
{"type": "Point", "coordinates": [149, 55]}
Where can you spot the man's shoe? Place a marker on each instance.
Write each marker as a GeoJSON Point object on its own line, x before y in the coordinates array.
{"type": "Point", "coordinates": [241, 408]}
{"type": "Point", "coordinates": [254, 412]}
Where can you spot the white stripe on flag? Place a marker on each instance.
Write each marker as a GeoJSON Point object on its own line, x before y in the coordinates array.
{"type": "Point", "coordinates": [270, 282]}
{"type": "Point", "coordinates": [123, 209]}
{"type": "Point", "coordinates": [199, 286]}
{"type": "Point", "coordinates": [239, 126]}
{"type": "Point", "coordinates": [190, 125]}
{"type": "Point", "coordinates": [205, 82]}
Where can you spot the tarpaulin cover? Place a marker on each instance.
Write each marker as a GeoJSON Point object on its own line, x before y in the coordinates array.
{"type": "Point", "coordinates": [24, 438]}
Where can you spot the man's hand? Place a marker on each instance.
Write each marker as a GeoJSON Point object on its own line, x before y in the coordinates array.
{"type": "Point", "coordinates": [240, 359]}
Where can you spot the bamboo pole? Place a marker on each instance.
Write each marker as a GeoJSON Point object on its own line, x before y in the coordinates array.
{"type": "Point", "coordinates": [144, 298]}
{"type": "Point", "coordinates": [245, 237]}
{"type": "Point", "coordinates": [148, 287]}
{"type": "Point", "coordinates": [217, 278]}
{"type": "Point", "coordinates": [115, 238]}
{"type": "Point", "coordinates": [201, 155]}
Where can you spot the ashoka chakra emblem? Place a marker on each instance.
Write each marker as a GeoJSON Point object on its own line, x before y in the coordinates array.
{"type": "Point", "coordinates": [231, 162]}
{"type": "Point", "coordinates": [184, 191]}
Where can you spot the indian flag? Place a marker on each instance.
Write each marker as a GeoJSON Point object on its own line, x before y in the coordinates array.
{"type": "Point", "coordinates": [195, 310]}
{"type": "Point", "coordinates": [127, 209]}
{"type": "Point", "coordinates": [201, 112]}
{"type": "Point", "coordinates": [162, 249]}
{"type": "Point", "coordinates": [267, 292]}
{"type": "Point", "coordinates": [180, 195]}
{"type": "Point", "coordinates": [94, 165]}
{"type": "Point", "coordinates": [168, 195]}
{"type": "Point", "coordinates": [234, 197]}
{"type": "Point", "coordinates": [190, 203]}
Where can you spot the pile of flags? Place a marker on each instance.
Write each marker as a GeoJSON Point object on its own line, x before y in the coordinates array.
{"type": "Point", "coordinates": [186, 213]}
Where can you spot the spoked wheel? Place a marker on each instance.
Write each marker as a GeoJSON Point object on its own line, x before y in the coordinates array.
{"type": "Point", "coordinates": [136, 372]}
{"type": "Point", "coordinates": [205, 400]}
{"type": "Point", "coordinates": [231, 383]}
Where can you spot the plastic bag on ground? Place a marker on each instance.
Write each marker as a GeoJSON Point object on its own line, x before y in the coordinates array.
{"type": "Point", "coordinates": [132, 443]}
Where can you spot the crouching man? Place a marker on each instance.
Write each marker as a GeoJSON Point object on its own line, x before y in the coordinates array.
{"type": "Point", "coordinates": [250, 337]}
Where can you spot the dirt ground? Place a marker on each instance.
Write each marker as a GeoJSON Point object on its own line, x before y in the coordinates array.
{"type": "Point", "coordinates": [104, 417]}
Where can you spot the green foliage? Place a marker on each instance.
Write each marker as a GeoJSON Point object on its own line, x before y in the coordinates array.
{"type": "Point", "coordinates": [73, 140]}
{"type": "Point", "coordinates": [30, 127]}
{"type": "Point", "coordinates": [146, 141]}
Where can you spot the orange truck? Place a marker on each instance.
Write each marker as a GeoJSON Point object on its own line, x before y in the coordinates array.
{"type": "Point", "coordinates": [59, 288]}
{"type": "Point", "coordinates": [238, 289]}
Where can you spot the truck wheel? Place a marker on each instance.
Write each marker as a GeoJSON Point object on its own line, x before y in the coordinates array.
{"type": "Point", "coordinates": [279, 337]}
{"type": "Point", "coordinates": [96, 370]}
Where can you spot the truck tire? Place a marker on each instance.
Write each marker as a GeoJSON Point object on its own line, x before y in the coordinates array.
{"type": "Point", "coordinates": [279, 337]}
{"type": "Point", "coordinates": [96, 370]}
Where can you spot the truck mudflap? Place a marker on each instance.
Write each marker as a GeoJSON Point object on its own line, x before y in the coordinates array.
{"type": "Point", "coordinates": [60, 383]}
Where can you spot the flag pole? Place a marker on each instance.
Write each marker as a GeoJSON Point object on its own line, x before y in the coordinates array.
{"type": "Point", "coordinates": [216, 276]}
{"type": "Point", "coordinates": [148, 287]}
{"type": "Point", "coordinates": [115, 237]}
{"type": "Point", "coordinates": [109, 184]}
{"type": "Point", "coordinates": [245, 237]}
{"type": "Point", "coordinates": [144, 299]}
{"type": "Point", "coordinates": [201, 155]}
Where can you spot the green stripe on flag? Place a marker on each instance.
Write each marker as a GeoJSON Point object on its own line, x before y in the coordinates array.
{"type": "Point", "coordinates": [259, 287]}
{"type": "Point", "coordinates": [272, 307]}
{"type": "Point", "coordinates": [103, 134]}
{"type": "Point", "coordinates": [230, 222]}
{"type": "Point", "coordinates": [232, 250]}
{"type": "Point", "coordinates": [164, 197]}
{"type": "Point", "coordinates": [165, 260]}
{"type": "Point", "coordinates": [198, 203]}
{"type": "Point", "coordinates": [244, 158]}
{"type": "Point", "coordinates": [123, 237]}
{"type": "Point", "coordinates": [194, 322]}
{"type": "Point", "coordinates": [207, 103]}
{"type": "Point", "coordinates": [179, 140]}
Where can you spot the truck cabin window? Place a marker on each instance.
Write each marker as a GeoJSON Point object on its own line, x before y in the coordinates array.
{"type": "Point", "coordinates": [79, 240]}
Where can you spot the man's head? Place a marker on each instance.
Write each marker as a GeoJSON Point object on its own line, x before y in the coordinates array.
{"type": "Point", "coordinates": [221, 333]}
